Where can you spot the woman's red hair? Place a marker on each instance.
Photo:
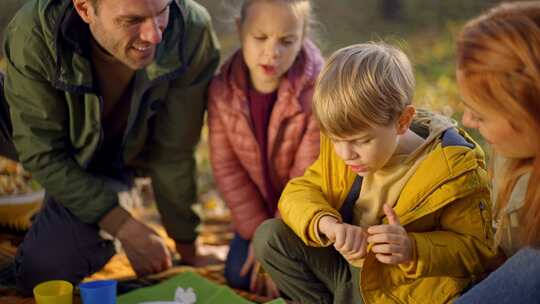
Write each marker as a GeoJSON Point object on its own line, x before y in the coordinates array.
{"type": "Point", "coordinates": [498, 66]}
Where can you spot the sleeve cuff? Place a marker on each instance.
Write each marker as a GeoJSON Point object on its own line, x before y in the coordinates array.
{"type": "Point", "coordinates": [410, 268]}
{"type": "Point", "coordinates": [314, 230]}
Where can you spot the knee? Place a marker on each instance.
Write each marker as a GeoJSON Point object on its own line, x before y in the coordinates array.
{"type": "Point", "coordinates": [236, 258]}
{"type": "Point", "coordinates": [235, 280]}
{"type": "Point", "coordinates": [269, 234]}
{"type": "Point", "coordinates": [36, 263]}
{"type": "Point", "coordinates": [34, 266]}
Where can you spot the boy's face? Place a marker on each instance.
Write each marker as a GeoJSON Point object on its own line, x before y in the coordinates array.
{"type": "Point", "coordinates": [368, 150]}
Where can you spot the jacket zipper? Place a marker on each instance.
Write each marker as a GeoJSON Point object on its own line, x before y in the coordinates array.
{"type": "Point", "coordinates": [101, 133]}
{"type": "Point", "coordinates": [482, 207]}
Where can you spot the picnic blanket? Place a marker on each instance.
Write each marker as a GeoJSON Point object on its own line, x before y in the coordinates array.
{"type": "Point", "coordinates": [207, 292]}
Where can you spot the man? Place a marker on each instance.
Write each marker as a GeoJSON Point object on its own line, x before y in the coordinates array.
{"type": "Point", "coordinates": [99, 89]}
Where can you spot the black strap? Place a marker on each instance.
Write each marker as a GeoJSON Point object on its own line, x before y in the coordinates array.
{"type": "Point", "coordinates": [346, 210]}
{"type": "Point", "coordinates": [6, 145]}
{"type": "Point", "coordinates": [451, 137]}
{"type": "Point", "coordinates": [5, 121]}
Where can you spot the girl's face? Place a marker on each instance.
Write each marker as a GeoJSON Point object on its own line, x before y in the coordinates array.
{"type": "Point", "coordinates": [498, 131]}
{"type": "Point", "coordinates": [271, 37]}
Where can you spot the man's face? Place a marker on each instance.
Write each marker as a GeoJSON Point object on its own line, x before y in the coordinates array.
{"type": "Point", "coordinates": [129, 30]}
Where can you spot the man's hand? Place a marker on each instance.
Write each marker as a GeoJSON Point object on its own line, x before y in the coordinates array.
{"type": "Point", "coordinates": [261, 283]}
{"type": "Point", "coordinates": [392, 244]}
{"type": "Point", "coordinates": [146, 251]}
{"type": "Point", "coordinates": [349, 240]}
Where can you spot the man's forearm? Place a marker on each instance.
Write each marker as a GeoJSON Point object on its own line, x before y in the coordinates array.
{"type": "Point", "coordinates": [113, 220]}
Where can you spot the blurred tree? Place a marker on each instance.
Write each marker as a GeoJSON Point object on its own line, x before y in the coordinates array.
{"type": "Point", "coordinates": [391, 10]}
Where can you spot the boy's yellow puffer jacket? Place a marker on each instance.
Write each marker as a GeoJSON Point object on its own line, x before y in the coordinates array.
{"type": "Point", "coordinates": [445, 207]}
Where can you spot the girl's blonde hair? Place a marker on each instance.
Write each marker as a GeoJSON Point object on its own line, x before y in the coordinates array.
{"type": "Point", "coordinates": [498, 66]}
{"type": "Point", "coordinates": [361, 86]}
{"type": "Point", "coordinates": [302, 8]}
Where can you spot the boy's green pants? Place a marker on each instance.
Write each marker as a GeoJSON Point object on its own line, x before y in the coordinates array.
{"type": "Point", "coordinates": [305, 274]}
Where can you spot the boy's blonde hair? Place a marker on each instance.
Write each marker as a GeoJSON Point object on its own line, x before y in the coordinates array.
{"type": "Point", "coordinates": [361, 86]}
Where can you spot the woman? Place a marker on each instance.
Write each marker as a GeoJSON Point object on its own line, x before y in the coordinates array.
{"type": "Point", "coordinates": [498, 75]}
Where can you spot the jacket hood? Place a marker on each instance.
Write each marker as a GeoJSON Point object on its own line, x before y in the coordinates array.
{"type": "Point", "coordinates": [454, 154]}
{"type": "Point", "coordinates": [429, 126]}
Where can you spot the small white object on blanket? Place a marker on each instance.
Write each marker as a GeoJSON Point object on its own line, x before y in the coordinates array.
{"type": "Point", "coordinates": [181, 296]}
{"type": "Point", "coordinates": [187, 296]}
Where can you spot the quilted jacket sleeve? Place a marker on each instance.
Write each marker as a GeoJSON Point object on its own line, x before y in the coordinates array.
{"type": "Point", "coordinates": [233, 182]}
{"type": "Point", "coordinates": [305, 199]}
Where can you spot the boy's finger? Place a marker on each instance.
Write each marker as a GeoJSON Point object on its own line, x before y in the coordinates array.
{"type": "Point", "coordinates": [388, 238]}
{"type": "Point", "coordinates": [386, 249]}
{"type": "Point", "coordinates": [391, 215]}
{"type": "Point", "coordinates": [355, 256]}
{"type": "Point", "coordinates": [387, 258]}
{"type": "Point", "coordinates": [340, 240]}
{"type": "Point", "coordinates": [347, 245]}
{"type": "Point", "coordinates": [384, 229]}
{"type": "Point", "coordinates": [358, 240]}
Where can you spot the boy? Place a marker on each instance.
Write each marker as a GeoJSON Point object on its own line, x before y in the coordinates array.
{"type": "Point", "coordinates": [402, 196]}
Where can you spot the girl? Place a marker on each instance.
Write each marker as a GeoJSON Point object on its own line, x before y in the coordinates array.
{"type": "Point", "coordinates": [261, 128]}
{"type": "Point", "coordinates": [498, 74]}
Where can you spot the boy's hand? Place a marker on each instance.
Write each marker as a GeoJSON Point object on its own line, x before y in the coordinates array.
{"type": "Point", "coordinates": [391, 243]}
{"type": "Point", "coordinates": [349, 240]}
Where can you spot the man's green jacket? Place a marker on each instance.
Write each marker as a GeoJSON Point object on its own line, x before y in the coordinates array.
{"type": "Point", "coordinates": [56, 109]}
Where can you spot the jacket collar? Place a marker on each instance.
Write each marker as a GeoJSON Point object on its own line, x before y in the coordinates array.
{"type": "Point", "coordinates": [72, 50]}
{"type": "Point", "coordinates": [424, 193]}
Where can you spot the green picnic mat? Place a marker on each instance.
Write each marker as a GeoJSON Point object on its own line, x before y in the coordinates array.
{"type": "Point", "coordinates": [207, 292]}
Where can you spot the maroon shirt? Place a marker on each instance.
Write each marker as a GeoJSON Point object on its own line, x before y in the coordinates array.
{"type": "Point", "coordinates": [260, 108]}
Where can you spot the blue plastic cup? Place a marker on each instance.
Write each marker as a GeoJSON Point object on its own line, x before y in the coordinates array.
{"type": "Point", "coordinates": [98, 292]}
